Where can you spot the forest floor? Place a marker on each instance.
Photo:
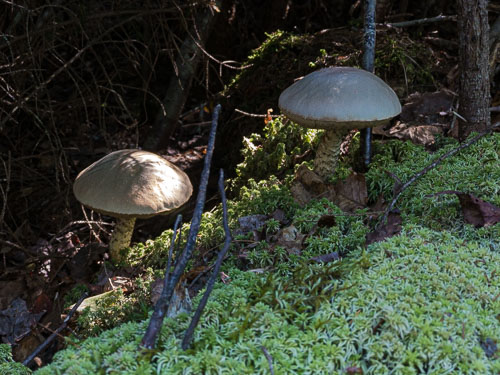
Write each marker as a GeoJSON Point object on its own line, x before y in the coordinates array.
{"type": "Point", "coordinates": [65, 251]}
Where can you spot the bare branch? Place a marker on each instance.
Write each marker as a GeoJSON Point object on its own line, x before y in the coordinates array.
{"type": "Point", "coordinates": [149, 339]}
{"type": "Point", "coordinates": [188, 336]}
{"type": "Point", "coordinates": [56, 332]}
{"type": "Point", "coordinates": [156, 321]}
{"type": "Point", "coordinates": [421, 21]}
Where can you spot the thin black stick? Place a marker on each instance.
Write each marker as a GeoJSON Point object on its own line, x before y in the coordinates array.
{"type": "Point", "coordinates": [435, 163]}
{"type": "Point", "coordinates": [188, 336]}
{"type": "Point", "coordinates": [421, 21]}
{"type": "Point", "coordinates": [56, 332]}
{"type": "Point", "coordinates": [161, 307]}
{"type": "Point", "coordinates": [368, 64]}
{"type": "Point", "coordinates": [177, 225]}
{"type": "Point", "coordinates": [269, 358]}
{"type": "Point", "coordinates": [181, 263]}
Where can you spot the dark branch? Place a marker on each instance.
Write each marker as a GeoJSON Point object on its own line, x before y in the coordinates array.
{"type": "Point", "coordinates": [149, 338]}
{"type": "Point", "coordinates": [420, 21]}
{"type": "Point", "coordinates": [56, 332]}
{"type": "Point", "coordinates": [368, 64]}
{"type": "Point", "coordinates": [195, 224]}
{"type": "Point", "coordinates": [269, 359]}
{"type": "Point", "coordinates": [188, 336]}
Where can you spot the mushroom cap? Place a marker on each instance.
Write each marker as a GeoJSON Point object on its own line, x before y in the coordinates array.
{"type": "Point", "coordinates": [132, 183]}
{"type": "Point", "coordinates": [340, 98]}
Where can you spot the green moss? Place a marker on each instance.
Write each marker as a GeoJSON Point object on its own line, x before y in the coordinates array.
{"type": "Point", "coordinates": [421, 302]}
{"type": "Point", "coordinates": [274, 152]}
{"type": "Point", "coordinates": [75, 294]}
{"type": "Point", "coordinates": [473, 170]}
{"type": "Point", "coordinates": [116, 308]}
{"type": "Point", "coordinates": [7, 364]}
{"type": "Point", "coordinates": [422, 306]}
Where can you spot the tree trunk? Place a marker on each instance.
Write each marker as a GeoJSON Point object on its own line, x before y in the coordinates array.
{"type": "Point", "coordinates": [186, 65]}
{"type": "Point", "coordinates": [474, 88]}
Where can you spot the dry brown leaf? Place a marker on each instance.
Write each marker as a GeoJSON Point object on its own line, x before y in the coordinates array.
{"type": "Point", "coordinates": [476, 211]}
{"type": "Point", "coordinates": [391, 228]}
{"type": "Point", "coordinates": [351, 194]}
{"type": "Point", "coordinates": [308, 185]}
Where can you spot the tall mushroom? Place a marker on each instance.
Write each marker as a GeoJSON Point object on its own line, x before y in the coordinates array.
{"type": "Point", "coordinates": [338, 99]}
{"type": "Point", "coordinates": [130, 184]}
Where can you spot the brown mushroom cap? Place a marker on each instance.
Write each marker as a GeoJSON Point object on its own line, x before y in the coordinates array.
{"type": "Point", "coordinates": [132, 183]}
{"type": "Point", "coordinates": [340, 98]}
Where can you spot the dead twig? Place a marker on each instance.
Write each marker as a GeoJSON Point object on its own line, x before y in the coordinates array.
{"type": "Point", "coordinates": [421, 21]}
{"type": "Point", "coordinates": [254, 114]}
{"type": "Point", "coordinates": [54, 334]}
{"type": "Point", "coordinates": [161, 307]}
{"type": "Point", "coordinates": [269, 358]}
{"type": "Point", "coordinates": [188, 336]}
{"type": "Point", "coordinates": [149, 339]}
{"type": "Point", "coordinates": [434, 164]}
{"type": "Point", "coordinates": [5, 191]}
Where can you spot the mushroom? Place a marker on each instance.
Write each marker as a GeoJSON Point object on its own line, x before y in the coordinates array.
{"type": "Point", "coordinates": [338, 99]}
{"type": "Point", "coordinates": [130, 184]}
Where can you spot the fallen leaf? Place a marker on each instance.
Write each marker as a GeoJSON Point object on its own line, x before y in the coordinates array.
{"type": "Point", "coordinates": [326, 258]}
{"type": "Point", "coordinates": [326, 221]}
{"type": "Point", "coordinates": [419, 134]}
{"type": "Point", "coordinates": [476, 211]}
{"type": "Point", "coordinates": [290, 239]}
{"type": "Point", "coordinates": [251, 223]}
{"type": "Point", "coordinates": [489, 346]}
{"type": "Point", "coordinates": [307, 185]}
{"type": "Point", "coordinates": [41, 304]}
{"type": "Point", "coordinates": [268, 117]}
{"type": "Point", "coordinates": [279, 215]}
{"type": "Point", "coordinates": [422, 118]}
{"type": "Point", "coordinates": [351, 194]}
{"type": "Point", "coordinates": [426, 108]}
{"type": "Point", "coordinates": [16, 321]}
{"type": "Point", "coordinates": [391, 228]}
{"type": "Point", "coordinates": [353, 370]}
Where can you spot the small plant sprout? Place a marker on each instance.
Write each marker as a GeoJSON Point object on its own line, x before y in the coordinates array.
{"type": "Point", "coordinates": [130, 184]}
{"type": "Point", "coordinates": [337, 100]}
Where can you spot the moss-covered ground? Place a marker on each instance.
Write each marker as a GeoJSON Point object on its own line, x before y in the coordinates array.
{"type": "Point", "coordinates": [425, 301]}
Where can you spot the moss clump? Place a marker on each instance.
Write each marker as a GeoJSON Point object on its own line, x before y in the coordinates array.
{"type": "Point", "coordinates": [421, 302]}
{"type": "Point", "coordinates": [7, 364]}
{"type": "Point", "coordinates": [75, 294]}
{"type": "Point", "coordinates": [275, 152]}
{"type": "Point", "coordinates": [116, 307]}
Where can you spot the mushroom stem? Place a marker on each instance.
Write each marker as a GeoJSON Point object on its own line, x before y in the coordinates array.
{"type": "Point", "coordinates": [121, 236]}
{"type": "Point", "coordinates": [328, 152]}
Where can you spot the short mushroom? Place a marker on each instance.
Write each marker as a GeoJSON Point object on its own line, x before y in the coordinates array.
{"type": "Point", "coordinates": [130, 184]}
{"type": "Point", "coordinates": [338, 99]}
